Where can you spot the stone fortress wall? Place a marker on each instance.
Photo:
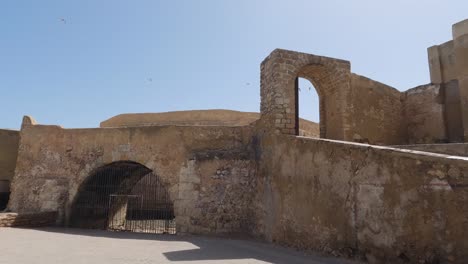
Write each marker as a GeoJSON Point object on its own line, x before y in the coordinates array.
{"type": "Point", "coordinates": [391, 205]}
{"type": "Point", "coordinates": [260, 178]}
{"type": "Point", "coordinates": [54, 162]}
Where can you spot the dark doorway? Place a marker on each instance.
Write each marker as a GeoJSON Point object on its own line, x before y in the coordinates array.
{"type": "Point", "coordinates": [124, 196]}
{"type": "Point", "coordinates": [4, 194]}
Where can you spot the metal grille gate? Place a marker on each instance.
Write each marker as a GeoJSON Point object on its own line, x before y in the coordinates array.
{"type": "Point", "coordinates": [124, 196]}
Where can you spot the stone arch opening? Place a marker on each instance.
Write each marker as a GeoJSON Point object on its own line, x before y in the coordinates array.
{"type": "Point", "coordinates": [331, 79]}
{"type": "Point", "coordinates": [323, 80]}
{"type": "Point", "coordinates": [124, 196]}
{"type": "Point", "coordinates": [307, 108]}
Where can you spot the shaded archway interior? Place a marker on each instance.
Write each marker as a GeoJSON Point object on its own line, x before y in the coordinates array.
{"type": "Point", "coordinates": [123, 195]}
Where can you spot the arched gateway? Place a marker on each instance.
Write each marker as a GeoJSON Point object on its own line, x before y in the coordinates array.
{"type": "Point", "coordinates": [124, 196]}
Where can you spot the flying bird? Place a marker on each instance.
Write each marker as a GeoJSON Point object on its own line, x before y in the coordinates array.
{"type": "Point", "coordinates": [63, 20]}
{"type": "Point", "coordinates": [150, 79]}
{"type": "Point", "coordinates": [247, 83]}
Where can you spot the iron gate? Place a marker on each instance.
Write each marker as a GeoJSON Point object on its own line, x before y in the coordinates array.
{"type": "Point", "coordinates": [124, 196]}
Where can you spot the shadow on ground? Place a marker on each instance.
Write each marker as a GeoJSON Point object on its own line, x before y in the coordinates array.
{"type": "Point", "coordinates": [211, 248]}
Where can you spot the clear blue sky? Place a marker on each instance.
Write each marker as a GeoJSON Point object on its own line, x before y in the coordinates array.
{"type": "Point", "coordinates": [199, 54]}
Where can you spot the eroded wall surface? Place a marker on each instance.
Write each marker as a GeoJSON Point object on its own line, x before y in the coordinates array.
{"type": "Point", "coordinates": [209, 171]}
{"type": "Point", "coordinates": [377, 112]}
{"type": "Point", "coordinates": [442, 63]}
{"type": "Point", "coordinates": [345, 198]}
{"type": "Point", "coordinates": [424, 114]}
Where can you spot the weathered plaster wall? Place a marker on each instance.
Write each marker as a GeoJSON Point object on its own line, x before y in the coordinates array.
{"type": "Point", "coordinates": [388, 204]}
{"type": "Point", "coordinates": [377, 112]}
{"type": "Point", "coordinates": [208, 170]}
{"type": "Point", "coordinates": [424, 113]}
{"type": "Point", "coordinates": [455, 149]}
{"type": "Point", "coordinates": [461, 55]}
{"type": "Point", "coordinates": [442, 65]}
{"type": "Point", "coordinates": [9, 140]}
{"type": "Point", "coordinates": [459, 29]}
{"type": "Point", "coordinates": [453, 113]}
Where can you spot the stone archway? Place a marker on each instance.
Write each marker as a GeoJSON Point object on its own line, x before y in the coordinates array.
{"type": "Point", "coordinates": [123, 195]}
{"type": "Point", "coordinates": [331, 78]}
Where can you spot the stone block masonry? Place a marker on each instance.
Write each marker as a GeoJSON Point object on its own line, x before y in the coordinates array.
{"type": "Point", "coordinates": [279, 72]}
{"type": "Point", "coordinates": [28, 219]}
{"type": "Point", "coordinates": [54, 162]}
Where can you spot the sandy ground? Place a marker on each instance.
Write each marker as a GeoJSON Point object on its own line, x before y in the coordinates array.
{"type": "Point", "coordinates": [73, 246]}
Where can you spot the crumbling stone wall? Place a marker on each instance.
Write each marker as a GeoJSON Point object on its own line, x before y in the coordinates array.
{"type": "Point", "coordinates": [54, 162]}
{"type": "Point", "coordinates": [424, 113]}
{"type": "Point", "coordinates": [386, 204]}
{"type": "Point", "coordinates": [225, 191]}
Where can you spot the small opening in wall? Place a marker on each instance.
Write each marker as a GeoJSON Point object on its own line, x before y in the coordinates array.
{"type": "Point", "coordinates": [307, 107]}
{"type": "Point", "coordinates": [4, 194]}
